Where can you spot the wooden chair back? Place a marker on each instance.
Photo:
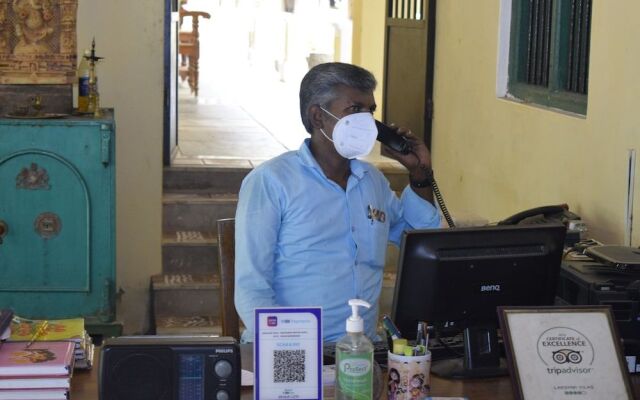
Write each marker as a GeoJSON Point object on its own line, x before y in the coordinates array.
{"type": "Point", "coordinates": [189, 48]}
{"type": "Point", "coordinates": [226, 264]}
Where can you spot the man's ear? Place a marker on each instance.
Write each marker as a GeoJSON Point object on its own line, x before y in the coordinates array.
{"type": "Point", "coordinates": [316, 116]}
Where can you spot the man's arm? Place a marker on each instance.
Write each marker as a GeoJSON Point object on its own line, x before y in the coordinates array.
{"type": "Point", "coordinates": [257, 227]}
{"type": "Point", "coordinates": [414, 212]}
{"type": "Point", "coordinates": [417, 162]}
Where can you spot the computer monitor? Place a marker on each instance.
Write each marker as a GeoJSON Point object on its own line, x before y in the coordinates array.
{"type": "Point", "coordinates": [459, 276]}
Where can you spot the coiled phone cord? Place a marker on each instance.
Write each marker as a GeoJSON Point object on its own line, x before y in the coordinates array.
{"type": "Point", "coordinates": [439, 199]}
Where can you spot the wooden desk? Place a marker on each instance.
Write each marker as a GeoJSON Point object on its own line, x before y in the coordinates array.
{"type": "Point", "coordinates": [84, 384]}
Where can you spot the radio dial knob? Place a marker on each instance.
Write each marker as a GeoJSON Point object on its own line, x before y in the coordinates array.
{"type": "Point", "coordinates": [222, 395]}
{"type": "Point", "coordinates": [223, 368]}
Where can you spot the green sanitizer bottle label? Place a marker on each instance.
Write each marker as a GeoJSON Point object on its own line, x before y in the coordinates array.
{"type": "Point", "coordinates": [355, 376]}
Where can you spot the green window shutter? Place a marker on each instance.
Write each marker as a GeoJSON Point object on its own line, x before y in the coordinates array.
{"type": "Point", "coordinates": [549, 53]}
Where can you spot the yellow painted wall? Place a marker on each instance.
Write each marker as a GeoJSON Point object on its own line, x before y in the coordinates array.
{"type": "Point", "coordinates": [495, 157]}
{"type": "Point", "coordinates": [129, 34]}
{"type": "Point", "coordinates": [368, 40]}
{"type": "Point", "coordinates": [492, 156]}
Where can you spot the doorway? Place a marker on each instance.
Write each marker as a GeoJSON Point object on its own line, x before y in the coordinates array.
{"type": "Point", "coordinates": [253, 55]}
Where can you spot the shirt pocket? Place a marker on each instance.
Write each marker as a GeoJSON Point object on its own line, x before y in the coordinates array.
{"type": "Point", "coordinates": [377, 231]}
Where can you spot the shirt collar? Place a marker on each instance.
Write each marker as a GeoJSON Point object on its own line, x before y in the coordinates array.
{"type": "Point", "coordinates": [357, 167]}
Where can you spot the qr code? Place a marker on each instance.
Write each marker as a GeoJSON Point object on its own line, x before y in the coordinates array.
{"type": "Point", "coordinates": [289, 365]}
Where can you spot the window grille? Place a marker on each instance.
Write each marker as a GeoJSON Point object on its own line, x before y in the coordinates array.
{"type": "Point", "coordinates": [406, 9]}
{"type": "Point", "coordinates": [579, 34]}
{"type": "Point", "coordinates": [549, 52]}
{"type": "Point", "coordinates": [539, 42]}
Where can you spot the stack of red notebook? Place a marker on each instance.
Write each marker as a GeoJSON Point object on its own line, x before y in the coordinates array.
{"type": "Point", "coordinates": [36, 371]}
{"type": "Point", "coordinates": [54, 330]}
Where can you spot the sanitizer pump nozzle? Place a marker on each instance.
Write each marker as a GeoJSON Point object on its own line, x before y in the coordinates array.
{"type": "Point", "coordinates": [355, 322]}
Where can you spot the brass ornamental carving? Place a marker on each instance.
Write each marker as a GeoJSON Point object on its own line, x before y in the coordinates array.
{"type": "Point", "coordinates": [38, 41]}
{"type": "Point", "coordinates": [47, 225]}
{"type": "Point", "coordinates": [33, 178]}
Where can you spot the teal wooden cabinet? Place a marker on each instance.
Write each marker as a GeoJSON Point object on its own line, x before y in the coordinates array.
{"type": "Point", "coordinates": [57, 217]}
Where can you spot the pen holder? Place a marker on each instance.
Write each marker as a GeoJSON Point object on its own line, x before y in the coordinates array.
{"type": "Point", "coordinates": [408, 376]}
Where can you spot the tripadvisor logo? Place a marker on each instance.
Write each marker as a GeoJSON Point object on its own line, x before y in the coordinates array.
{"type": "Point", "coordinates": [565, 351]}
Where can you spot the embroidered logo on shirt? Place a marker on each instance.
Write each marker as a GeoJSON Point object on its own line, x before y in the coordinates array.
{"type": "Point", "coordinates": [375, 215]}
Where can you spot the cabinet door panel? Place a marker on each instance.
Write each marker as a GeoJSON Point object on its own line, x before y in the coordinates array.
{"type": "Point", "coordinates": [44, 200]}
{"type": "Point", "coordinates": [57, 197]}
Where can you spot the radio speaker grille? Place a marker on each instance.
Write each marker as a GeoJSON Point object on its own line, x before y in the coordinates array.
{"type": "Point", "coordinates": [137, 375]}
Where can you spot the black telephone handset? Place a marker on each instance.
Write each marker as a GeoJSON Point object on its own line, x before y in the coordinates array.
{"type": "Point", "coordinates": [389, 137]}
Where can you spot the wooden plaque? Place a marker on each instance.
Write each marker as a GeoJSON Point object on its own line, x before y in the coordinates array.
{"type": "Point", "coordinates": [570, 352]}
{"type": "Point", "coordinates": [38, 41]}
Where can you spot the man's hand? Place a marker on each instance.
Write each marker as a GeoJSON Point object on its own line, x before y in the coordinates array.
{"type": "Point", "coordinates": [418, 160]}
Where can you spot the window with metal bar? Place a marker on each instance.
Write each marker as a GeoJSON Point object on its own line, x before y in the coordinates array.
{"type": "Point", "coordinates": [549, 52]}
{"type": "Point", "coordinates": [406, 9]}
{"type": "Point", "coordinates": [579, 34]}
{"type": "Point", "coordinates": [539, 33]}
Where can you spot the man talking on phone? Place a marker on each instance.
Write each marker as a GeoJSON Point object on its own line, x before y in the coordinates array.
{"type": "Point", "coordinates": [312, 225]}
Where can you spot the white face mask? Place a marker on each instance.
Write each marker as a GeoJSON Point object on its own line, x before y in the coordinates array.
{"type": "Point", "coordinates": [354, 135]}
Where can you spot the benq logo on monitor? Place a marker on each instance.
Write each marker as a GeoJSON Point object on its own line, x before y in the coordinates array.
{"type": "Point", "coordinates": [490, 288]}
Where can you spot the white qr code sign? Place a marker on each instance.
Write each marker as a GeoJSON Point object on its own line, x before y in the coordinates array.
{"type": "Point", "coordinates": [288, 353]}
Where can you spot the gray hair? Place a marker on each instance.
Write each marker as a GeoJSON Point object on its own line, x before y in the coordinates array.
{"type": "Point", "coordinates": [319, 84]}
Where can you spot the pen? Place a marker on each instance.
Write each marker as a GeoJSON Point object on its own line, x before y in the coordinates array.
{"type": "Point", "coordinates": [421, 340]}
{"type": "Point", "coordinates": [391, 328]}
{"type": "Point", "coordinates": [39, 332]}
{"type": "Point", "coordinates": [420, 337]}
{"type": "Point", "coordinates": [426, 341]}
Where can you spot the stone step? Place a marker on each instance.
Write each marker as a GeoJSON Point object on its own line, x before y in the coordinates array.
{"type": "Point", "coordinates": [208, 179]}
{"type": "Point", "coordinates": [196, 212]}
{"type": "Point", "coordinates": [187, 179]}
{"type": "Point", "coordinates": [195, 325]}
{"type": "Point", "coordinates": [185, 295]}
{"type": "Point", "coordinates": [189, 252]}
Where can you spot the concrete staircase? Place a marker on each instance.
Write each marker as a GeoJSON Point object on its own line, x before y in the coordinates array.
{"type": "Point", "coordinates": [186, 298]}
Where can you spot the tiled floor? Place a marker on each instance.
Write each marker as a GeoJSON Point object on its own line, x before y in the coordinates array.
{"type": "Point", "coordinates": [221, 135]}
{"type": "Point", "coordinates": [246, 111]}
{"type": "Point", "coordinates": [226, 135]}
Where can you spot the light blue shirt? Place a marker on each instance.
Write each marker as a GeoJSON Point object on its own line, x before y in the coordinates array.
{"type": "Point", "coordinates": [301, 240]}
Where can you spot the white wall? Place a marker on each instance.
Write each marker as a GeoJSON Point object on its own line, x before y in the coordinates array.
{"type": "Point", "coordinates": [129, 34]}
{"type": "Point", "coordinates": [368, 41]}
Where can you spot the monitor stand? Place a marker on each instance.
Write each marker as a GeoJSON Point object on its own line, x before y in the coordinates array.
{"type": "Point", "coordinates": [481, 356]}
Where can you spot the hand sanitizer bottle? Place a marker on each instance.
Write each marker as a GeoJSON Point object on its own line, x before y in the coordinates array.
{"type": "Point", "coordinates": [354, 359]}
